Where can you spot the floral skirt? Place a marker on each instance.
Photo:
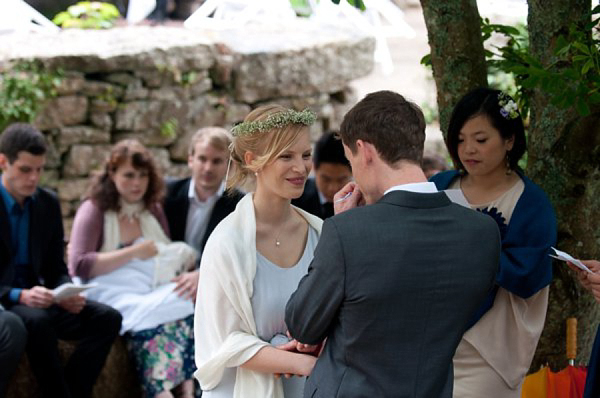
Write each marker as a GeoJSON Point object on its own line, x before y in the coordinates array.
{"type": "Point", "coordinates": [163, 356]}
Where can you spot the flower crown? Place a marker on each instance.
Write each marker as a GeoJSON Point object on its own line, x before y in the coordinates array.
{"type": "Point", "coordinates": [275, 121]}
{"type": "Point", "coordinates": [508, 107]}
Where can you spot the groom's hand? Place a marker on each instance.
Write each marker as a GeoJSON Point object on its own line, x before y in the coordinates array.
{"type": "Point", "coordinates": [347, 198]}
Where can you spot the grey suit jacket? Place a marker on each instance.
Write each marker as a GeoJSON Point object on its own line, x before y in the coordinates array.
{"type": "Point", "coordinates": [392, 287]}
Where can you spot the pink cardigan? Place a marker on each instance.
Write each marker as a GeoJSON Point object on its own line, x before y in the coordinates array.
{"type": "Point", "coordinates": [87, 236]}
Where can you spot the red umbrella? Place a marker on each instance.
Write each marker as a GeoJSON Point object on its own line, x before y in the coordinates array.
{"type": "Point", "coordinates": [568, 383]}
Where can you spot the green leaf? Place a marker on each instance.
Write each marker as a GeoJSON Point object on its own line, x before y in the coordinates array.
{"type": "Point", "coordinates": [594, 98]}
{"type": "Point", "coordinates": [582, 107]}
{"type": "Point", "coordinates": [426, 60]}
{"type": "Point", "coordinates": [587, 66]}
{"type": "Point", "coordinates": [582, 47]}
{"type": "Point", "coordinates": [580, 57]}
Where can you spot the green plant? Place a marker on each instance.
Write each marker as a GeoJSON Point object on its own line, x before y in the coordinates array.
{"type": "Point", "coordinates": [169, 128]}
{"type": "Point", "coordinates": [23, 89]}
{"type": "Point", "coordinates": [302, 7]}
{"type": "Point", "coordinates": [572, 80]}
{"type": "Point", "coordinates": [88, 15]}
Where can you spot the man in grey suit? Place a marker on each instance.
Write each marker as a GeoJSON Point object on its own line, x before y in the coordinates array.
{"type": "Point", "coordinates": [393, 284]}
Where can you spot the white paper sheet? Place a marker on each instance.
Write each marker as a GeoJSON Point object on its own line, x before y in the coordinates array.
{"type": "Point", "coordinates": [559, 255]}
{"type": "Point", "coordinates": [69, 289]}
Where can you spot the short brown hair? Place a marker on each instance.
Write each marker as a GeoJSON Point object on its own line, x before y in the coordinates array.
{"type": "Point", "coordinates": [103, 190]}
{"type": "Point", "coordinates": [217, 137]}
{"type": "Point", "coordinates": [395, 126]}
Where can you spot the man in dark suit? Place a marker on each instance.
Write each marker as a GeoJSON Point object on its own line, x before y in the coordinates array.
{"type": "Point", "coordinates": [32, 264]}
{"type": "Point", "coordinates": [194, 206]}
{"type": "Point", "coordinates": [13, 337]}
{"type": "Point", "coordinates": [332, 171]}
{"type": "Point", "coordinates": [393, 284]}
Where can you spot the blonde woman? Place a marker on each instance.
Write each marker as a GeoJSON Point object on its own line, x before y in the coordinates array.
{"type": "Point", "coordinates": [253, 262]}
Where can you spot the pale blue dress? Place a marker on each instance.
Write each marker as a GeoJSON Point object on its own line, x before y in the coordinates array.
{"type": "Point", "coordinates": [273, 287]}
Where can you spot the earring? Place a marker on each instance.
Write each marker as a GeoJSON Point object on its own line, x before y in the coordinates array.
{"type": "Point", "coordinates": [508, 168]}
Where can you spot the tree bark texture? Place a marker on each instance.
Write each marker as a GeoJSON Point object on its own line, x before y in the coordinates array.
{"type": "Point", "coordinates": [457, 55]}
{"type": "Point", "coordinates": [564, 159]}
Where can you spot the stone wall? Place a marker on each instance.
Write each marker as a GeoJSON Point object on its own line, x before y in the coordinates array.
{"type": "Point", "coordinates": [160, 84]}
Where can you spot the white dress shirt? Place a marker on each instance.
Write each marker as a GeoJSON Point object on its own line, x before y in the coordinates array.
{"type": "Point", "coordinates": [418, 187]}
{"type": "Point", "coordinates": [199, 214]}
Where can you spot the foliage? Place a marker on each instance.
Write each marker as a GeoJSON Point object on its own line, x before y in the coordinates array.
{"type": "Point", "coordinates": [573, 79]}
{"type": "Point", "coordinates": [169, 128]}
{"type": "Point", "coordinates": [23, 89]}
{"type": "Point", "coordinates": [303, 8]}
{"type": "Point", "coordinates": [88, 15]}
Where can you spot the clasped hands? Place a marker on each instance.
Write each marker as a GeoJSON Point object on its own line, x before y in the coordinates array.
{"type": "Point", "coordinates": [295, 346]}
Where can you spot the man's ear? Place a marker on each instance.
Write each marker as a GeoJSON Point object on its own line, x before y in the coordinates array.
{"type": "Point", "coordinates": [3, 161]}
{"type": "Point", "coordinates": [367, 150]}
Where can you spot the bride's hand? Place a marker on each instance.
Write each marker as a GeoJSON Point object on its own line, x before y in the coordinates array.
{"type": "Point", "coordinates": [303, 366]}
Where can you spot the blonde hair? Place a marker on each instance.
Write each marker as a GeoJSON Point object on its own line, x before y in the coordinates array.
{"type": "Point", "coordinates": [265, 145]}
{"type": "Point", "coordinates": [217, 137]}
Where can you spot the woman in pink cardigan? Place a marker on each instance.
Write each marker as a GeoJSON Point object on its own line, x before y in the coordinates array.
{"type": "Point", "coordinates": [116, 233]}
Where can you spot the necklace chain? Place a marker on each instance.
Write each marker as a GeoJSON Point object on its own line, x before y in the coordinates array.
{"type": "Point", "coordinates": [277, 241]}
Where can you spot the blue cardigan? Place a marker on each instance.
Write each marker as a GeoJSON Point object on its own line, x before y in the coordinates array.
{"type": "Point", "coordinates": [525, 267]}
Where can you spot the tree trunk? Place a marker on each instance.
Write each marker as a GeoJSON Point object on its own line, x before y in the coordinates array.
{"type": "Point", "coordinates": [564, 159]}
{"type": "Point", "coordinates": [457, 56]}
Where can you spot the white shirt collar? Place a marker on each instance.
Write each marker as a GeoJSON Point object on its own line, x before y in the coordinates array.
{"type": "Point", "coordinates": [418, 187]}
{"type": "Point", "coordinates": [192, 192]}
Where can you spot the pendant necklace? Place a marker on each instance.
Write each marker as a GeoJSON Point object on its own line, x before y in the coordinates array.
{"type": "Point", "coordinates": [277, 241]}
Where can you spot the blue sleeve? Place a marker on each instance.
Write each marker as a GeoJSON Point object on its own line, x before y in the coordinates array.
{"type": "Point", "coordinates": [14, 295]}
{"type": "Point", "coordinates": [525, 267]}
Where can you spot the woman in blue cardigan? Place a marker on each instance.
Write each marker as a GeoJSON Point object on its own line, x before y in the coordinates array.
{"type": "Point", "coordinates": [486, 139]}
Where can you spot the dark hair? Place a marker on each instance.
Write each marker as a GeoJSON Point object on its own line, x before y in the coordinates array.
{"type": "Point", "coordinates": [484, 102]}
{"type": "Point", "coordinates": [395, 126]}
{"type": "Point", "coordinates": [103, 190]}
{"type": "Point", "coordinates": [329, 149]}
{"type": "Point", "coordinates": [433, 161]}
{"type": "Point", "coordinates": [21, 137]}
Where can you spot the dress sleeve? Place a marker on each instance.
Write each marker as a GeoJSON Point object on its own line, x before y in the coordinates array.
{"type": "Point", "coordinates": [86, 239]}
{"type": "Point", "coordinates": [525, 267]}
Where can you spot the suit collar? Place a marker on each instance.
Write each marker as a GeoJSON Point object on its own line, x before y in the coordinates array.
{"type": "Point", "coordinates": [416, 200]}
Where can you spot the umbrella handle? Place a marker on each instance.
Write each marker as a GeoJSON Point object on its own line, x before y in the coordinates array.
{"type": "Point", "coordinates": [571, 340]}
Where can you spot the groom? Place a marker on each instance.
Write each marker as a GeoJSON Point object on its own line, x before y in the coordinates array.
{"type": "Point", "coordinates": [393, 284]}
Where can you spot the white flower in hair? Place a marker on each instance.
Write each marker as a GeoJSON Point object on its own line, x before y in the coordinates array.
{"type": "Point", "coordinates": [508, 106]}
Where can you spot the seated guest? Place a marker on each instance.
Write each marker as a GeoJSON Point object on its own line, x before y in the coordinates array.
{"type": "Point", "coordinates": [120, 240]}
{"type": "Point", "coordinates": [194, 206]}
{"type": "Point", "coordinates": [432, 164]}
{"type": "Point", "coordinates": [13, 337]}
{"type": "Point", "coordinates": [32, 264]}
{"type": "Point", "coordinates": [332, 172]}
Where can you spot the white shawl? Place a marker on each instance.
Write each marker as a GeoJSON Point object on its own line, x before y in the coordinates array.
{"type": "Point", "coordinates": [224, 328]}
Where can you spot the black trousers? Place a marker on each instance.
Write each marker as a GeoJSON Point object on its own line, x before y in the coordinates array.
{"type": "Point", "coordinates": [95, 328]}
{"type": "Point", "coordinates": [13, 338]}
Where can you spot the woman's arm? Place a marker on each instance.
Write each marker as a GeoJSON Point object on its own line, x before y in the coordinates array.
{"type": "Point", "coordinates": [86, 239]}
{"type": "Point", "coordinates": [109, 261]}
{"type": "Point", "coordinates": [272, 360]}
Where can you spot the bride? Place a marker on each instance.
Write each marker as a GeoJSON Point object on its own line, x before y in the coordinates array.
{"type": "Point", "coordinates": [253, 262]}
